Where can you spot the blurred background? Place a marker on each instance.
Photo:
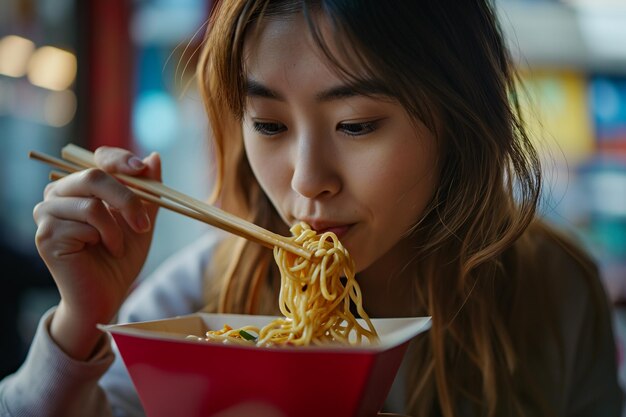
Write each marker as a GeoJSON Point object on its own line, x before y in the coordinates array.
{"type": "Point", "coordinates": [121, 73]}
{"type": "Point", "coordinates": [93, 73]}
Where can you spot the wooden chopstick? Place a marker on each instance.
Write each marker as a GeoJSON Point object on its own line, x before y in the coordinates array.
{"type": "Point", "coordinates": [151, 190]}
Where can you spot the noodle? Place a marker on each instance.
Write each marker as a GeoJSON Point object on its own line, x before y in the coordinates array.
{"type": "Point", "coordinates": [315, 298]}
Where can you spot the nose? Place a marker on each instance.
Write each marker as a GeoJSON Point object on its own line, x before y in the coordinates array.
{"type": "Point", "coordinates": [315, 170]}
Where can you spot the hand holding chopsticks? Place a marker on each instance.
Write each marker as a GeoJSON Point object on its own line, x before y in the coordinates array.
{"type": "Point", "coordinates": [77, 159]}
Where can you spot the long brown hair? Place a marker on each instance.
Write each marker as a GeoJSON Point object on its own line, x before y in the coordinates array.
{"type": "Point", "coordinates": [446, 63]}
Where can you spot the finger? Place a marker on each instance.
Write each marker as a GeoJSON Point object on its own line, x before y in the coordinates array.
{"type": "Point", "coordinates": [118, 160]}
{"type": "Point", "coordinates": [153, 162]}
{"type": "Point", "coordinates": [98, 184]}
{"type": "Point", "coordinates": [57, 238]}
{"type": "Point", "coordinates": [90, 211]}
{"type": "Point", "coordinates": [48, 189]}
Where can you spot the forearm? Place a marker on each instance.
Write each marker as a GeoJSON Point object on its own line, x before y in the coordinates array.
{"type": "Point", "coordinates": [50, 383]}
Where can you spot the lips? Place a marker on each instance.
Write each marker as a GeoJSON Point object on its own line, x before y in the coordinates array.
{"type": "Point", "coordinates": [322, 227]}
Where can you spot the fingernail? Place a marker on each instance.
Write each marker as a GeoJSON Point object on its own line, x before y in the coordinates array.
{"type": "Point", "coordinates": [143, 222]}
{"type": "Point", "coordinates": [136, 163]}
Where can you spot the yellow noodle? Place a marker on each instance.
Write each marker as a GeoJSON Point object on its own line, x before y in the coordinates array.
{"type": "Point", "coordinates": [315, 298]}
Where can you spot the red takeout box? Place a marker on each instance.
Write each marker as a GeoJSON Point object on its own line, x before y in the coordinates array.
{"type": "Point", "coordinates": [175, 376]}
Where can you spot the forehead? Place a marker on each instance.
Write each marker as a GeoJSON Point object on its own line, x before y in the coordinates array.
{"type": "Point", "coordinates": [281, 45]}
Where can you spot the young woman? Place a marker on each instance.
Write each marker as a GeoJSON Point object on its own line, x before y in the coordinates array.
{"type": "Point", "coordinates": [393, 124]}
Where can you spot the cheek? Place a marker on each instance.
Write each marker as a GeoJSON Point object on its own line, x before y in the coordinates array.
{"type": "Point", "coordinates": [407, 174]}
{"type": "Point", "coordinates": [399, 188]}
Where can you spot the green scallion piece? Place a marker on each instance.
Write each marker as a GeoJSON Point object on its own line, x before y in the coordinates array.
{"type": "Point", "coordinates": [247, 335]}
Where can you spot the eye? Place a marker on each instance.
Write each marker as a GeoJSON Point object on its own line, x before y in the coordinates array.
{"type": "Point", "coordinates": [359, 128]}
{"type": "Point", "coordinates": [269, 128]}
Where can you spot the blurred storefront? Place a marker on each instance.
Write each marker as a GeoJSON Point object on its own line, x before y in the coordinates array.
{"type": "Point", "coordinates": [38, 109]}
{"type": "Point", "coordinates": [116, 73]}
{"type": "Point", "coordinates": [572, 54]}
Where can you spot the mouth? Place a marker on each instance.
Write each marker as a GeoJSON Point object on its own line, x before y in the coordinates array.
{"type": "Point", "coordinates": [340, 230]}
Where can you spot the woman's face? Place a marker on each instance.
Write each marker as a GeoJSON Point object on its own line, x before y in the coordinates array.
{"type": "Point", "coordinates": [352, 164]}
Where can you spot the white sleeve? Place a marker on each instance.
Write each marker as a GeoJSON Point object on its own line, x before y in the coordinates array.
{"type": "Point", "coordinates": [175, 288]}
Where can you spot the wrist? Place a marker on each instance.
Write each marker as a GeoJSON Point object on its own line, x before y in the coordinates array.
{"type": "Point", "coordinates": [76, 334]}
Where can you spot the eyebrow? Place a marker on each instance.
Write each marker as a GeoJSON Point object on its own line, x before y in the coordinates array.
{"type": "Point", "coordinates": [256, 89]}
